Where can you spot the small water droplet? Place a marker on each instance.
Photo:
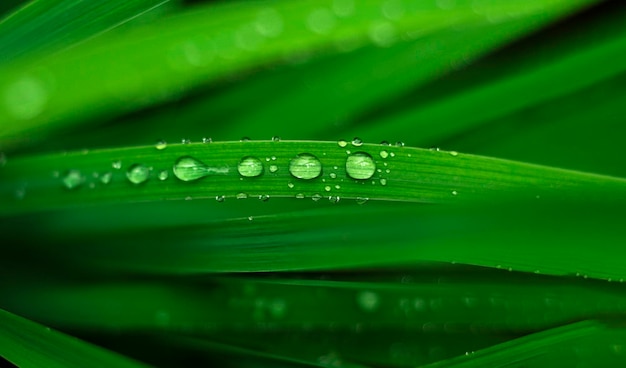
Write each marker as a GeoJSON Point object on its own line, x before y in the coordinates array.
{"type": "Point", "coordinates": [334, 199]}
{"type": "Point", "coordinates": [188, 168]}
{"type": "Point", "coordinates": [73, 179]}
{"type": "Point", "coordinates": [264, 197]}
{"type": "Point", "coordinates": [360, 166]}
{"type": "Point", "coordinates": [327, 188]}
{"type": "Point", "coordinates": [357, 142]}
{"type": "Point", "coordinates": [185, 141]}
{"type": "Point", "coordinates": [116, 165]}
{"type": "Point", "coordinates": [163, 175]}
{"type": "Point", "coordinates": [342, 143]}
{"type": "Point", "coordinates": [399, 144]}
{"type": "Point", "coordinates": [300, 195]}
{"type": "Point", "coordinates": [454, 153]}
{"type": "Point", "coordinates": [361, 200]}
{"type": "Point", "coordinates": [250, 167]}
{"type": "Point", "coordinates": [244, 139]}
{"type": "Point", "coordinates": [106, 178]}
{"type": "Point", "coordinates": [392, 154]}
{"type": "Point", "coordinates": [383, 181]}
{"type": "Point", "coordinates": [384, 154]}
{"type": "Point", "coordinates": [290, 185]}
{"type": "Point", "coordinates": [273, 168]}
{"type": "Point", "coordinates": [242, 196]}
{"type": "Point", "coordinates": [305, 166]}
{"type": "Point", "coordinates": [161, 145]}
{"type": "Point", "coordinates": [333, 175]}
{"type": "Point", "coordinates": [368, 300]}
{"type": "Point", "coordinates": [275, 138]}
{"type": "Point", "coordinates": [207, 140]}
{"type": "Point", "coordinates": [316, 197]}
{"type": "Point", "coordinates": [384, 143]}
{"type": "Point", "coordinates": [138, 174]}
{"type": "Point", "coordinates": [321, 21]}
{"type": "Point", "coordinates": [337, 186]}
{"type": "Point", "coordinates": [220, 198]}
{"type": "Point", "coordinates": [454, 192]}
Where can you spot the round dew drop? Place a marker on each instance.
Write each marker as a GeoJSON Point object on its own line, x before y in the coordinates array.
{"type": "Point", "coordinates": [73, 179]}
{"type": "Point", "coordinates": [360, 166]}
{"type": "Point", "coordinates": [161, 145]}
{"type": "Point", "coordinates": [342, 143]}
{"type": "Point", "coordinates": [188, 168]}
{"type": "Point", "coordinates": [357, 142]}
{"type": "Point", "coordinates": [138, 174]}
{"type": "Point", "coordinates": [163, 175]}
{"type": "Point", "coordinates": [305, 166]}
{"type": "Point", "coordinates": [250, 167]}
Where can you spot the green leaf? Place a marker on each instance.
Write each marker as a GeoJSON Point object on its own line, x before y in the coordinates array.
{"type": "Point", "coordinates": [29, 344]}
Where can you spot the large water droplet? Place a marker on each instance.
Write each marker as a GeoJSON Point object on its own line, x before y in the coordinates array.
{"type": "Point", "coordinates": [250, 167]}
{"type": "Point", "coordinates": [305, 166]}
{"type": "Point", "coordinates": [73, 179]}
{"type": "Point", "coordinates": [137, 174]}
{"type": "Point", "coordinates": [188, 168]}
{"type": "Point", "coordinates": [360, 165]}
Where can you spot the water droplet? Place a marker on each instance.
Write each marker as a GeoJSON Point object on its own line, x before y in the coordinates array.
{"type": "Point", "coordinates": [275, 138]}
{"type": "Point", "coordinates": [383, 181]}
{"type": "Point", "coordinates": [399, 144]}
{"type": "Point", "coordinates": [334, 199]}
{"type": "Point", "coordinates": [161, 145]}
{"type": "Point", "coordinates": [163, 175]}
{"type": "Point", "coordinates": [188, 168]}
{"type": "Point", "coordinates": [116, 165]}
{"type": "Point", "coordinates": [360, 166]}
{"type": "Point", "coordinates": [264, 197]}
{"type": "Point", "coordinates": [383, 34]}
{"type": "Point", "coordinates": [138, 174]}
{"type": "Point", "coordinates": [327, 188]}
{"type": "Point", "coordinates": [361, 200]}
{"type": "Point", "coordinates": [384, 154]}
{"type": "Point", "coordinates": [242, 196]}
{"type": "Point", "coordinates": [342, 143]}
{"type": "Point", "coordinates": [185, 141]}
{"type": "Point", "coordinates": [316, 197]}
{"type": "Point", "coordinates": [357, 142]}
{"type": "Point", "coordinates": [368, 300]}
{"type": "Point", "coordinates": [333, 175]}
{"type": "Point", "coordinates": [73, 179]}
{"type": "Point", "coordinates": [343, 8]}
{"type": "Point", "coordinates": [269, 23]}
{"type": "Point", "coordinates": [244, 139]}
{"type": "Point", "coordinates": [384, 143]}
{"type": "Point", "coordinates": [290, 185]}
{"type": "Point", "coordinates": [300, 195]}
{"type": "Point", "coordinates": [305, 166]}
{"type": "Point", "coordinates": [106, 178]}
{"type": "Point", "coordinates": [454, 153]}
{"type": "Point", "coordinates": [337, 187]}
{"type": "Point", "coordinates": [220, 198]}
{"type": "Point", "coordinates": [26, 98]}
{"type": "Point", "coordinates": [273, 168]}
{"type": "Point", "coordinates": [454, 192]}
{"type": "Point", "coordinates": [321, 21]}
{"type": "Point", "coordinates": [392, 154]}
{"type": "Point", "coordinates": [207, 140]}
{"type": "Point", "coordinates": [250, 167]}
